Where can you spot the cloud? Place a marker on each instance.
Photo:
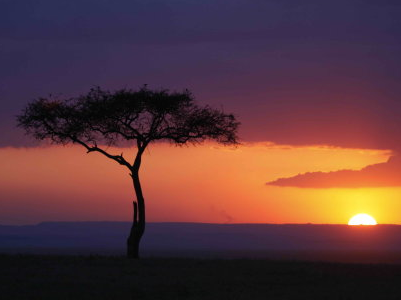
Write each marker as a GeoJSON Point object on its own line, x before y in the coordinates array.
{"type": "Point", "coordinates": [378, 175]}
{"type": "Point", "coordinates": [315, 73]}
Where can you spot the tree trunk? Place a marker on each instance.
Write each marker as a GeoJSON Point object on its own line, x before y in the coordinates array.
{"type": "Point", "coordinates": [138, 224]}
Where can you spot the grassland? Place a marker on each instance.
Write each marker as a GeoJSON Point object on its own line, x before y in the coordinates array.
{"type": "Point", "coordinates": [99, 277]}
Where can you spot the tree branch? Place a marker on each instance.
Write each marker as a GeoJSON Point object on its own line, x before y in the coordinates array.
{"type": "Point", "coordinates": [118, 158]}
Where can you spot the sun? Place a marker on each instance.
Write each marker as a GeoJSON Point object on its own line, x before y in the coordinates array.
{"type": "Point", "coordinates": [362, 219]}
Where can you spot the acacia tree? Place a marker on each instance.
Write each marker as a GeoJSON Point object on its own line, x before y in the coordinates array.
{"type": "Point", "coordinates": [100, 119]}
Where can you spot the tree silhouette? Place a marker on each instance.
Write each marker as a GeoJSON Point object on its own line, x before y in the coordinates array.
{"type": "Point", "coordinates": [101, 118]}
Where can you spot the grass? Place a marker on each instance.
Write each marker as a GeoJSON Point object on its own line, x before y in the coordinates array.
{"type": "Point", "coordinates": [98, 277]}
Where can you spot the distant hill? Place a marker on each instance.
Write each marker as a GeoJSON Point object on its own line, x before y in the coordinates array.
{"type": "Point", "coordinates": [381, 243]}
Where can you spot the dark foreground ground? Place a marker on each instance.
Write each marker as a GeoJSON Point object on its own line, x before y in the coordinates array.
{"type": "Point", "coordinates": [307, 242]}
{"type": "Point", "coordinates": [98, 277]}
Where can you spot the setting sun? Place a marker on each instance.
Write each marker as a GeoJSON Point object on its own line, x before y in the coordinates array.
{"type": "Point", "coordinates": [362, 219]}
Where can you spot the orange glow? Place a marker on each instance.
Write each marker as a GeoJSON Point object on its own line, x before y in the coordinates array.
{"type": "Point", "coordinates": [206, 183]}
{"type": "Point", "coordinates": [362, 219]}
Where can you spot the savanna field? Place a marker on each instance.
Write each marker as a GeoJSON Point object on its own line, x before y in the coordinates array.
{"type": "Point", "coordinates": [101, 277]}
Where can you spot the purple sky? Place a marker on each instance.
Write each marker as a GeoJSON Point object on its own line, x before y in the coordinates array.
{"type": "Point", "coordinates": [317, 72]}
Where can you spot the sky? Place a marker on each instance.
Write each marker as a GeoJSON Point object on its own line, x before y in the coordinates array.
{"type": "Point", "coordinates": [314, 84]}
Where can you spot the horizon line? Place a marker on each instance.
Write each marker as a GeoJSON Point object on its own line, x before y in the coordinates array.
{"type": "Point", "coordinates": [200, 223]}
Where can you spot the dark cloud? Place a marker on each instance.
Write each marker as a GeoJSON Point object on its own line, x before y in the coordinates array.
{"type": "Point", "coordinates": [312, 72]}
{"type": "Point", "coordinates": [159, 21]}
{"type": "Point", "coordinates": [378, 175]}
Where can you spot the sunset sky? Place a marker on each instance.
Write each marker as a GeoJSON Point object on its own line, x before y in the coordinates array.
{"type": "Point", "coordinates": [316, 86]}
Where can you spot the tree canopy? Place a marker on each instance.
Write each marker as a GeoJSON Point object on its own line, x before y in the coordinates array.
{"type": "Point", "coordinates": [101, 117]}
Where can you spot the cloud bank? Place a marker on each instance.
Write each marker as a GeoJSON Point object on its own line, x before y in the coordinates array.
{"type": "Point", "coordinates": [378, 175]}
{"type": "Point", "coordinates": [299, 73]}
